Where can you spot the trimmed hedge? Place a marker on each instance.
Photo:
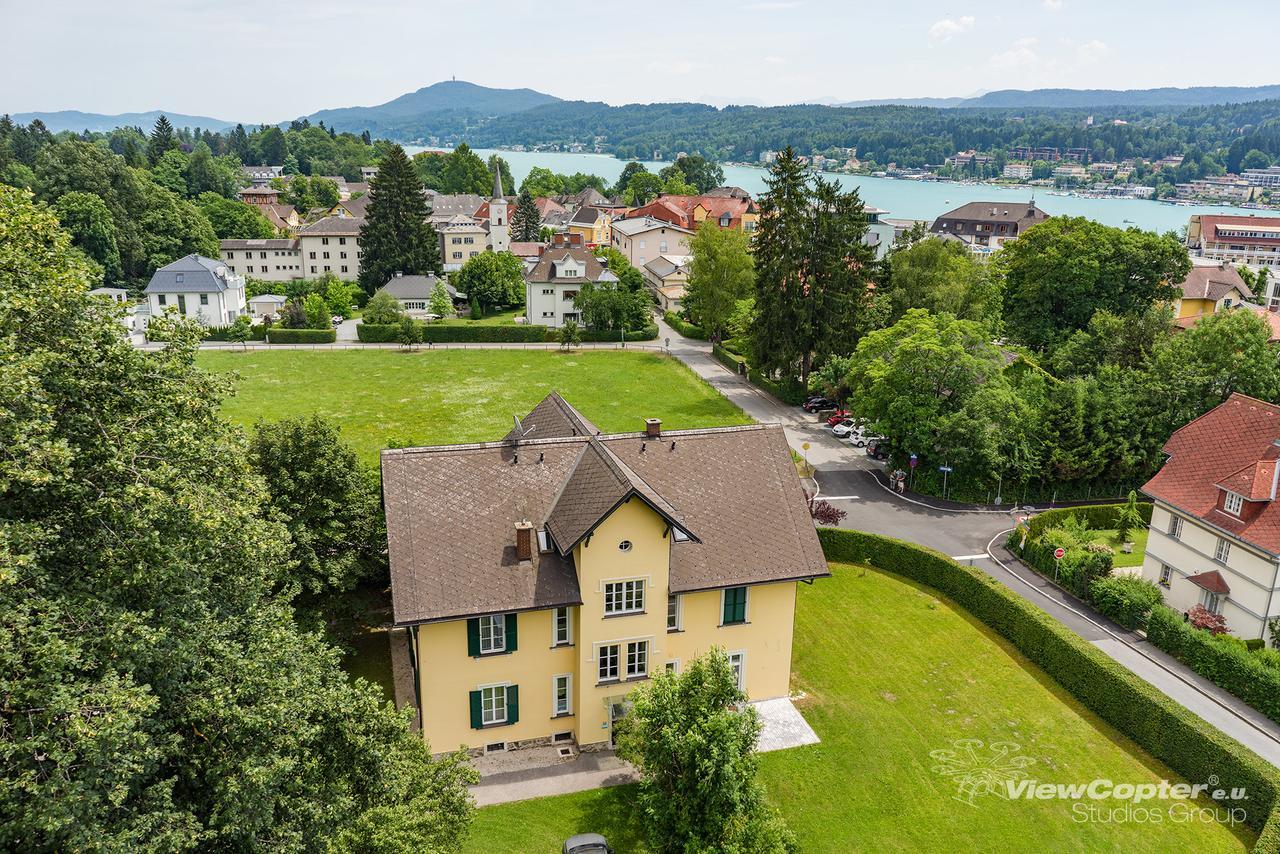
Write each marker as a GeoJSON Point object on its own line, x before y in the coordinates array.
{"type": "Point", "coordinates": [732, 361]}
{"type": "Point", "coordinates": [646, 333]}
{"type": "Point", "coordinates": [377, 333]}
{"type": "Point", "coordinates": [1223, 660]}
{"type": "Point", "coordinates": [1077, 570]}
{"type": "Point", "coordinates": [257, 332]}
{"type": "Point", "coordinates": [1093, 515]}
{"type": "Point", "coordinates": [434, 334]}
{"type": "Point", "coordinates": [684, 327]}
{"type": "Point", "coordinates": [279, 335]}
{"type": "Point", "coordinates": [1126, 599]}
{"type": "Point", "coordinates": [1156, 723]}
{"type": "Point", "coordinates": [788, 390]}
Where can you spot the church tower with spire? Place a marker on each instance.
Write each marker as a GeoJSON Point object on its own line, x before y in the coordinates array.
{"type": "Point", "coordinates": [499, 227]}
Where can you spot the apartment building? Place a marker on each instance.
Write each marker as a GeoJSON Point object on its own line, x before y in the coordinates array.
{"type": "Point", "coordinates": [331, 245]}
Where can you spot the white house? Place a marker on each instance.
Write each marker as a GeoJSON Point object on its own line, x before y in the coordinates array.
{"type": "Point", "coordinates": [554, 282]}
{"type": "Point", "coordinates": [413, 292]}
{"type": "Point", "coordinates": [1215, 528]}
{"type": "Point", "coordinates": [266, 305]}
{"type": "Point", "coordinates": [644, 238]}
{"type": "Point", "coordinates": [197, 287]}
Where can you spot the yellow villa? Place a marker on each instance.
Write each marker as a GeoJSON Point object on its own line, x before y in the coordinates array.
{"type": "Point", "coordinates": [543, 576]}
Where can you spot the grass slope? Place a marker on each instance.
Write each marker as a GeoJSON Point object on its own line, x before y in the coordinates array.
{"type": "Point", "coordinates": [384, 398]}
{"type": "Point", "coordinates": [892, 672]}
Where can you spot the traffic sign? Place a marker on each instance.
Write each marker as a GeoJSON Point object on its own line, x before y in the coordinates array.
{"type": "Point", "coordinates": [914, 461]}
{"type": "Point", "coordinates": [944, 469]}
{"type": "Point", "coordinates": [1059, 553]}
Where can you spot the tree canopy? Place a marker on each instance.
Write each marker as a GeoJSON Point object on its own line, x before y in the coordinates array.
{"type": "Point", "coordinates": [396, 236]}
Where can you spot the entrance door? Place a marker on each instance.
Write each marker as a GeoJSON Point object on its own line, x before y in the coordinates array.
{"type": "Point", "coordinates": [617, 711]}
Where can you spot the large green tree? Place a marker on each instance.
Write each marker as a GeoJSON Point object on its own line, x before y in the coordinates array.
{"type": "Point", "coordinates": [162, 141]}
{"type": "Point", "coordinates": [86, 218]}
{"type": "Point", "coordinates": [159, 694]}
{"type": "Point", "coordinates": [721, 273]}
{"type": "Point", "coordinates": [693, 738]}
{"type": "Point", "coordinates": [491, 279]}
{"type": "Point", "coordinates": [941, 276]}
{"type": "Point", "coordinates": [1058, 273]}
{"type": "Point", "coordinates": [396, 236]}
{"type": "Point", "coordinates": [702, 173]}
{"type": "Point", "coordinates": [232, 220]}
{"type": "Point", "coordinates": [526, 222]}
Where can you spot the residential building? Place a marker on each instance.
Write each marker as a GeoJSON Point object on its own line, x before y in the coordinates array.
{"type": "Point", "coordinates": [592, 224]}
{"type": "Point", "coordinates": [554, 282]}
{"type": "Point", "coordinates": [261, 176]}
{"type": "Point", "coordinates": [641, 239]}
{"type": "Point", "coordinates": [1215, 530]}
{"type": "Point", "coordinates": [1226, 188]}
{"type": "Point", "coordinates": [351, 207]}
{"type": "Point", "coordinates": [538, 579]}
{"type": "Point", "coordinates": [1268, 177]}
{"type": "Point", "coordinates": [880, 233]}
{"type": "Point", "coordinates": [264, 306]}
{"type": "Point", "coordinates": [551, 213]}
{"type": "Point", "coordinates": [116, 295]}
{"type": "Point", "coordinates": [276, 259]}
{"type": "Point", "coordinates": [986, 226]}
{"type": "Point", "coordinates": [259, 196]}
{"type": "Point", "coordinates": [970, 158]}
{"type": "Point", "coordinates": [197, 287]}
{"type": "Point", "coordinates": [285, 218]}
{"type": "Point", "coordinates": [1070, 172]}
{"type": "Point", "coordinates": [528, 252]}
{"type": "Point", "coordinates": [726, 211]}
{"type": "Point", "coordinates": [367, 172]}
{"type": "Point", "coordinates": [1018, 171]}
{"type": "Point", "coordinates": [667, 276]}
{"type": "Point", "coordinates": [331, 245]}
{"type": "Point", "coordinates": [446, 206]}
{"type": "Point", "coordinates": [1250, 240]}
{"type": "Point", "coordinates": [461, 239]}
{"type": "Point", "coordinates": [414, 293]}
{"type": "Point", "coordinates": [1210, 288]}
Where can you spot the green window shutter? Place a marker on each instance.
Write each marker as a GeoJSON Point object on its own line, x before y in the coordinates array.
{"type": "Point", "coordinates": [477, 716]}
{"type": "Point", "coordinates": [511, 632]}
{"type": "Point", "coordinates": [473, 638]}
{"type": "Point", "coordinates": [513, 703]}
{"type": "Point", "coordinates": [735, 605]}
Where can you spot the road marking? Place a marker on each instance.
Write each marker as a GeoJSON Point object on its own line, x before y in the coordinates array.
{"type": "Point", "coordinates": [844, 498]}
{"type": "Point", "coordinates": [982, 556]}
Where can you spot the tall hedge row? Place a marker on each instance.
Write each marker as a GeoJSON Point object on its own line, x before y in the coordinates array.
{"type": "Point", "coordinates": [279, 335]}
{"type": "Point", "coordinates": [1156, 723]}
{"type": "Point", "coordinates": [1223, 660]}
{"type": "Point", "coordinates": [732, 361]}
{"type": "Point", "coordinates": [257, 332]}
{"type": "Point", "coordinates": [478, 334]}
{"type": "Point", "coordinates": [684, 327]}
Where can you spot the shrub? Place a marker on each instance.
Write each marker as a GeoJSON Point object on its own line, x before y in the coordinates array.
{"type": "Point", "coordinates": [377, 333]}
{"type": "Point", "coordinates": [644, 333]}
{"type": "Point", "coordinates": [382, 309]}
{"type": "Point", "coordinates": [1127, 599]}
{"type": "Point", "coordinates": [276, 335]}
{"type": "Point", "coordinates": [1202, 618]}
{"type": "Point", "coordinates": [1076, 570]}
{"type": "Point", "coordinates": [474, 333]}
{"type": "Point", "coordinates": [1094, 516]}
{"type": "Point", "coordinates": [257, 332]}
{"type": "Point", "coordinates": [788, 390]}
{"type": "Point", "coordinates": [730, 360]}
{"type": "Point", "coordinates": [1156, 723]}
{"type": "Point", "coordinates": [1255, 644]}
{"type": "Point", "coordinates": [684, 327]}
{"type": "Point", "coordinates": [1221, 659]}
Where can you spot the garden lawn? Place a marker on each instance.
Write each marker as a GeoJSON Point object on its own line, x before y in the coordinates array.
{"type": "Point", "coordinates": [390, 398]}
{"type": "Point", "coordinates": [1110, 537]}
{"type": "Point", "coordinates": [506, 317]}
{"type": "Point", "coordinates": [891, 672]}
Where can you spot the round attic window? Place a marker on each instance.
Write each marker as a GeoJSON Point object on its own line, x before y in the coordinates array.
{"type": "Point", "coordinates": [624, 546]}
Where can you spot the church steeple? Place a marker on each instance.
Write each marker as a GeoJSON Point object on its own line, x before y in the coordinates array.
{"type": "Point", "coordinates": [497, 183]}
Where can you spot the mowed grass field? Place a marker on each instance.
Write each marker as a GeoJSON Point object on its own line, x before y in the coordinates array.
{"type": "Point", "coordinates": [390, 398]}
{"type": "Point", "coordinates": [892, 672]}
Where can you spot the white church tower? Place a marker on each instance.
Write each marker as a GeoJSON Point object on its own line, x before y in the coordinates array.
{"type": "Point", "coordinates": [499, 227]}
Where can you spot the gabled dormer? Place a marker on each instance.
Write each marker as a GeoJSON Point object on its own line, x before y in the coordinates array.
{"type": "Point", "coordinates": [1245, 492]}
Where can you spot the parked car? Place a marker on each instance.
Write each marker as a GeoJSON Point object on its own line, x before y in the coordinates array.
{"type": "Point", "coordinates": [844, 427]}
{"type": "Point", "coordinates": [857, 437]}
{"type": "Point", "coordinates": [587, 843]}
{"type": "Point", "coordinates": [816, 404]}
{"type": "Point", "coordinates": [336, 320]}
{"type": "Point", "coordinates": [878, 448]}
{"type": "Point", "coordinates": [837, 416]}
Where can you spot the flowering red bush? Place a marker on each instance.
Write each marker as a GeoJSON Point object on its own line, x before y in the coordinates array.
{"type": "Point", "coordinates": [824, 513]}
{"type": "Point", "coordinates": [1202, 618]}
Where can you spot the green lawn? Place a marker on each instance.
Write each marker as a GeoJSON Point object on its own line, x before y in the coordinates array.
{"type": "Point", "coordinates": [506, 317]}
{"type": "Point", "coordinates": [384, 398]}
{"type": "Point", "coordinates": [1110, 537]}
{"type": "Point", "coordinates": [892, 672]}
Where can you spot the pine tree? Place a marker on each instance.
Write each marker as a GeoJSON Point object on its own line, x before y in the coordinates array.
{"type": "Point", "coordinates": [396, 236]}
{"type": "Point", "coordinates": [780, 247]}
{"type": "Point", "coordinates": [839, 263]}
{"type": "Point", "coordinates": [526, 222]}
{"type": "Point", "coordinates": [162, 140]}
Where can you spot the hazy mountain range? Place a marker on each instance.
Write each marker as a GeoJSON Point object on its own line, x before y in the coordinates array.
{"type": "Point", "coordinates": [454, 105]}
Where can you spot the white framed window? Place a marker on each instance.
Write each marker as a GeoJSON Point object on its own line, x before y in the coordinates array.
{"type": "Point", "coordinates": [673, 666]}
{"type": "Point", "coordinates": [1211, 601]}
{"type": "Point", "coordinates": [637, 659]}
{"type": "Point", "coordinates": [1233, 503]}
{"type": "Point", "coordinates": [738, 661]}
{"type": "Point", "coordinates": [624, 597]}
{"type": "Point", "coordinates": [493, 705]}
{"type": "Point", "coordinates": [493, 634]}
{"type": "Point", "coordinates": [1222, 551]}
{"type": "Point", "coordinates": [675, 609]}
{"type": "Point", "coordinates": [561, 627]}
{"type": "Point", "coordinates": [1175, 526]}
{"type": "Point", "coordinates": [561, 694]}
{"type": "Point", "coordinates": [607, 661]}
{"type": "Point", "coordinates": [1166, 575]}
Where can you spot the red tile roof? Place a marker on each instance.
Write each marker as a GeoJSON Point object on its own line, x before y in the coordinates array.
{"type": "Point", "coordinates": [678, 210]}
{"type": "Point", "coordinates": [1211, 581]}
{"type": "Point", "coordinates": [1232, 445]}
{"type": "Point", "coordinates": [1210, 223]}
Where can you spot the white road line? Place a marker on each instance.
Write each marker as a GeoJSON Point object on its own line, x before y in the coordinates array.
{"type": "Point", "coordinates": [983, 556]}
{"type": "Point", "coordinates": [844, 498]}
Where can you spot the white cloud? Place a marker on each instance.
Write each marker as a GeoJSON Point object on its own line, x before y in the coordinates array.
{"type": "Point", "coordinates": [1053, 5]}
{"type": "Point", "coordinates": [948, 28]}
{"type": "Point", "coordinates": [1091, 51]}
{"type": "Point", "coordinates": [1019, 55]}
{"type": "Point", "coordinates": [774, 60]}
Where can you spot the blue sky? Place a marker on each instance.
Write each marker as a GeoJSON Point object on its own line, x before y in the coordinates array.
{"type": "Point", "coordinates": [263, 61]}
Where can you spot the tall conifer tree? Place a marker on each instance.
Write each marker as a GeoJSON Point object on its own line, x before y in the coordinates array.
{"type": "Point", "coordinates": [526, 222]}
{"type": "Point", "coordinates": [162, 140]}
{"type": "Point", "coordinates": [396, 236]}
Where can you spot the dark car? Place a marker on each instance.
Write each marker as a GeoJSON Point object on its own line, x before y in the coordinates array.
{"type": "Point", "coordinates": [815, 404]}
{"type": "Point", "coordinates": [878, 448]}
{"type": "Point", "coordinates": [587, 843]}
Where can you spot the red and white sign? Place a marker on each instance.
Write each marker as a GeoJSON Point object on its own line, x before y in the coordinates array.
{"type": "Point", "coordinates": [1059, 553]}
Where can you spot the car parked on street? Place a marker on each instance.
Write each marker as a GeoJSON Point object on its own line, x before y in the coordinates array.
{"type": "Point", "coordinates": [857, 437]}
{"type": "Point", "coordinates": [586, 843]}
{"type": "Point", "coordinates": [878, 448]}
{"type": "Point", "coordinates": [844, 427]}
{"type": "Point", "coordinates": [837, 416]}
{"type": "Point", "coordinates": [817, 404]}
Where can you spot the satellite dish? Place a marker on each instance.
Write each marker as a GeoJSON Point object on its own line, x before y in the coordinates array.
{"type": "Point", "coordinates": [222, 272]}
{"type": "Point", "coordinates": [520, 430]}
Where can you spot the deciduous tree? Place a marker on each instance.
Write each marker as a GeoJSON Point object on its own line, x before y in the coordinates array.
{"type": "Point", "coordinates": [721, 273]}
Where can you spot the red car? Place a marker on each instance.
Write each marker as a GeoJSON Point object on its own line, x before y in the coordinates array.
{"type": "Point", "coordinates": [838, 416]}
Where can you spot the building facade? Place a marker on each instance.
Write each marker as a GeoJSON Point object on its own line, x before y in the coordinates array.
{"type": "Point", "coordinates": [197, 287]}
{"type": "Point", "coordinates": [582, 564]}
{"type": "Point", "coordinates": [271, 259]}
{"type": "Point", "coordinates": [1214, 538]}
{"type": "Point", "coordinates": [643, 239]}
{"type": "Point", "coordinates": [986, 226]}
{"type": "Point", "coordinates": [553, 284]}
{"type": "Point", "coordinates": [1250, 240]}
{"type": "Point", "coordinates": [331, 245]}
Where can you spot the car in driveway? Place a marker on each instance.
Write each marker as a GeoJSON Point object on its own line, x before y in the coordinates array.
{"type": "Point", "coordinates": [857, 437]}
{"type": "Point", "coordinates": [878, 448]}
{"type": "Point", "coordinates": [837, 416]}
{"type": "Point", "coordinates": [586, 843]}
{"type": "Point", "coordinates": [817, 404]}
{"type": "Point", "coordinates": [843, 427]}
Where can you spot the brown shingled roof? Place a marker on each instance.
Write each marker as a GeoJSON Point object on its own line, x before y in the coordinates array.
{"type": "Point", "coordinates": [1214, 283]}
{"type": "Point", "coordinates": [452, 510]}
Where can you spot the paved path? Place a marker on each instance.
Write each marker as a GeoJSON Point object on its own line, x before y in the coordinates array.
{"type": "Point", "coordinates": [844, 477]}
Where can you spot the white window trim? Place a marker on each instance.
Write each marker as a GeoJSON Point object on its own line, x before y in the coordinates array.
{"type": "Point", "coordinates": [568, 699]}
{"type": "Point", "coordinates": [1233, 503]}
{"type": "Point", "coordinates": [746, 609]}
{"type": "Point", "coordinates": [491, 686]}
{"type": "Point", "coordinates": [621, 644]}
{"type": "Point", "coordinates": [626, 665]}
{"type": "Point", "coordinates": [1222, 551]}
{"type": "Point", "coordinates": [1174, 530]}
{"type": "Point", "coordinates": [501, 620]}
{"type": "Point", "coordinates": [679, 598]}
{"type": "Point", "coordinates": [742, 667]}
{"type": "Point", "coordinates": [644, 594]}
{"type": "Point", "coordinates": [673, 665]}
{"type": "Point", "coordinates": [618, 662]}
{"type": "Point", "coordinates": [1165, 578]}
{"type": "Point", "coordinates": [568, 627]}
{"type": "Point", "coordinates": [1212, 602]}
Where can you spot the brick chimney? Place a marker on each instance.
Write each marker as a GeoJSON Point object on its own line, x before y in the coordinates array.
{"type": "Point", "coordinates": [652, 428]}
{"type": "Point", "coordinates": [524, 541]}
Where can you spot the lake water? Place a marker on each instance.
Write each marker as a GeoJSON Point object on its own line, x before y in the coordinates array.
{"type": "Point", "coordinates": [902, 199]}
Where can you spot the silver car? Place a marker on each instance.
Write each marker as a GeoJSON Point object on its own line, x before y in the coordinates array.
{"type": "Point", "coordinates": [587, 843]}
